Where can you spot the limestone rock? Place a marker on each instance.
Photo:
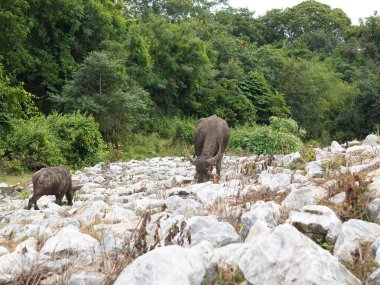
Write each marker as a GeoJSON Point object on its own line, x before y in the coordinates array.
{"type": "Point", "coordinates": [285, 256]}
{"type": "Point", "coordinates": [69, 240]}
{"type": "Point", "coordinates": [267, 212]}
{"type": "Point", "coordinates": [210, 229]}
{"type": "Point", "coordinates": [317, 222]}
{"type": "Point", "coordinates": [169, 265]}
{"type": "Point", "coordinates": [307, 195]}
{"type": "Point", "coordinates": [354, 233]}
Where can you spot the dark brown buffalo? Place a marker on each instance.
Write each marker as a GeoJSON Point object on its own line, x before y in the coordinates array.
{"type": "Point", "coordinates": [51, 181]}
{"type": "Point", "coordinates": [211, 138]}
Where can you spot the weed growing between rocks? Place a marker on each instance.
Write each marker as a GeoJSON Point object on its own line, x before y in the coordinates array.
{"type": "Point", "coordinates": [307, 154]}
{"type": "Point", "coordinates": [333, 164]}
{"type": "Point", "coordinates": [356, 201]}
{"type": "Point", "coordinates": [112, 263]}
{"type": "Point", "coordinates": [32, 275]}
{"type": "Point", "coordinates": [265, 195]}
{"type": "Point", "coordinates": [24, 194]}
{"type": "Point", "coordinates": [226, 275]}
{"type": "Point", "coordinates": [363, 263]}
{"type": "Point", "coordinates": [137, 244]}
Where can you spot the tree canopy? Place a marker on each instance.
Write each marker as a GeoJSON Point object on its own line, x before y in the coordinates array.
{"type": "Point", "coordinates": [125, 62]}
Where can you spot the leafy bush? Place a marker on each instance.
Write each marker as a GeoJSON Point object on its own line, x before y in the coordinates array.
{"type": "Point", "coordinates": [15, 102]}
{"type": "Point", "coordinates": [101, 87]}
{"type": "Point", "coordinates": [165, 127]}
{"type": "Point", "coordinates": [279, 139]}
{"type": "Point", "coordinates": [184, 131]}
{"type": "Point", "coordinates": [139, 146]}
{"type": "Point", "coordinates": [307, 154]}
{"type": "Point", "coordinates": [287, 126]}
{"type": "Point", "coordinates": [72, 140]}
{"type": "Point", "coordinates": [178, 130]}
{"type": "Point", "coordinates": [80, 141]}
{"type": "Point", "coordinates": [33, 144]}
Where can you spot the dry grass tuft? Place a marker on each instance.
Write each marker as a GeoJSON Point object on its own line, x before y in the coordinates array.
{"type": "Point", "coordinates": [226, 275]}
{"type": "Point", "coordinates": [363, 263]}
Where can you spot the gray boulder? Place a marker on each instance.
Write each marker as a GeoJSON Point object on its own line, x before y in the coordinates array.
{"type": "Point", "coordinates": [208, 228]}
{"type": "Point", "coordinates": [168, 265]}
{"type": "Point", "coordinates": [286, 256]}
{"type": "Point", "coordinates": [70, 241]}
{"type": "Point", "coordinates": [267, 212]}
{"type": "Point", "coordinates": [318, 222]}
{"type": "Point", "coordinates": [307, 195]}
{"type": "Point", "coordinates": [87, 278]}
{"type": "Point", "coordinates": [371, 140]}
{"type": "Point", "coordinates": [353, 234]}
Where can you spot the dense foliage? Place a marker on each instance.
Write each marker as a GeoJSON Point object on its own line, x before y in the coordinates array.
{"type": "Point", "coordinates": [281, 136]}
{"type": "Point", "coordinates": [72, 140]}
{"type": "Point", "coordinates": [132, 65]}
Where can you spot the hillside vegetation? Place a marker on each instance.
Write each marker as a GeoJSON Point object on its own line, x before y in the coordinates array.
{"type": "Point", "coordinates": [83, 81]}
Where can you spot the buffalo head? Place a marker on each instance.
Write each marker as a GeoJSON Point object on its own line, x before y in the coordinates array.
{"type": "Point", "coordinates": [204, 166]}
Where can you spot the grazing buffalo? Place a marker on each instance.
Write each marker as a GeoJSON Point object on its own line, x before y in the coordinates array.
{"type": "Point", "coordinates": [51, 181]}
{"type": "Point", "coordinates": [211, 138]}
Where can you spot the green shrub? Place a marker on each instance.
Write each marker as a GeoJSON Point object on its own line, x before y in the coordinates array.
{"type": "Point", "coordinates": [81, 143]}
{"type": "Point", "coordinates": [184, 131]}
{"type": "Point", "coordinates": [72, 140]}
{"type": "Point", "coordinates": [307, 154]}
{"type": "Point", "coordinates": [24, 194]}
{"type": "Point", "coordinates": [264, 140]}
{"type": "Point", "coordinates": [286, 126]}
{"type": "Point", "coordinates": [33, 144]}
{"type": "Point", "coordinates": [165, 127]}
{"type": "Point", "coordinates": [140, 146]}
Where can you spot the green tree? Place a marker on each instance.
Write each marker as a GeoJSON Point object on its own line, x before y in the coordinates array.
{"type": "Point", "coordinates": [15, 102]}
{"type": "Point", "coordinates": [45, 40]}
{"type": "Point", "coordinates": [240, 23]}
{"type": "Point", "coordinates": [316, 24]}
{"type": "Point", "coordinates": [267, 103]}
{"type": "Point", "coordinates": [180, 63]}
{"type": "Point", "coordinates": [314, 93]}
{"type": "Point", "coordinates": [172, 10]}
{"type": "Point", "coordinates": [14, 31]}
{"type": "Point", "coordinates": [311, 16]}
{"type": "Point", "coordinates": [101, 87]}
{"type": "Point", "coordinates": [367, 104]}
{"type": "Point", "coordinates": [222, 98]}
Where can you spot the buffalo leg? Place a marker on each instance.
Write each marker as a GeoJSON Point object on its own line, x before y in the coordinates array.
{"type": "Point", "coordinates": [69, 197]}
{"type": "Point", "coordinates": [33, 201]}
{"type": "Point", "coordinates": [59, 198]}
{"type": "Point", "coordinates": [218, 166]}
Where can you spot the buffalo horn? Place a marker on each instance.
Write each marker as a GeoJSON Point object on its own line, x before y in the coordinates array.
{"type": "Point", "coordinates": [212, 160]}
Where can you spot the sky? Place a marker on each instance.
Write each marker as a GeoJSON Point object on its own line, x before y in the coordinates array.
{"type": "Point", "coordinates": [354, 9]}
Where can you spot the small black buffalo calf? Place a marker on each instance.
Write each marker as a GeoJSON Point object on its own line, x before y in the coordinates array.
{"type": "Point", "coordinates": [52, 181]}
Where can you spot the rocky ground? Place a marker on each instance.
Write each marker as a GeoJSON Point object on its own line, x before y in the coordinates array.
{"type": "Point", "coordinates": [269, 220]}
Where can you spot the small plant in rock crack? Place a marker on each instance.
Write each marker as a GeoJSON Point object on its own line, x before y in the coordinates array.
{"type": "Point", "coordinates": [325, 245]}
{"type": "Point", "coordinates": [24, 194]}
{"type": "Point", "coordinates": [137, 243]}
{"type": "Point", "coordinates": [226, 275]}
{"type": "Point", "coordinates": [307, 154]}
{"type": "Point", "coordinates": [356, 201]}
{"type": "Point", "coordinates": [265, 195]}
{"type": "Point", "coordinates": [333, 164]}
{"type": "Point", "coordinates": [363, 263]}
